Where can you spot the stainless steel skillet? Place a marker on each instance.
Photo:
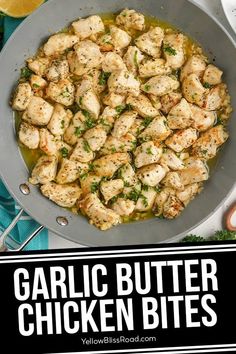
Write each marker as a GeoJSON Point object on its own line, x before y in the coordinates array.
{"type": "Point", "coordinates": [50, 18]}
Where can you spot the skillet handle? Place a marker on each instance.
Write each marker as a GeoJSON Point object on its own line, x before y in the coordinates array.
{"type": "Point", "coordinates": [3, 237]}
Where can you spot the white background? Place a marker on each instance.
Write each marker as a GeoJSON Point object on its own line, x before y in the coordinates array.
{"type": "Point", "coordinates": [216, 221]}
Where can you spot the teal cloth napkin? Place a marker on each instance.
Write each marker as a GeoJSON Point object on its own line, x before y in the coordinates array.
{"type": "Point", "coordinates": [8, 207]}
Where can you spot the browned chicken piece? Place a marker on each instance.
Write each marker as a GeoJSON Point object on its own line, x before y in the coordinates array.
{"type": "Point", "coordinates": [58, 70]}
{"type": "Point", "coordinates": [95, 137]}
{"type": "Point", "coordinates": [82, 151]}
{"type": "Point", "coordinates": [151, 175]}
{"type": "Point", "coordinates": [45, 170]}
{"type": "Point", "coordinates": [22, 97]}
{"type": "Point", "coordinates": [70, 171]}
{"type": "Point", "coordinates": [123, 207]}
{"type": "Point", "coordinates": [107, 165]}
{"type": "Point", "coordinates": [161, 199]}
{"type": "Point", "coordinates": [62, 92]}
{"type": "Point", "coordinates": [132, 58]}
{"type": "Point", "coordinates": [182, 139]}
{"type": "Point", "coordinates": [146, 199]}
{"type": "Point", "coordinates": [146, 154]}
{"type": "Point", "coordinates": [65, 195]}
{"type": "Point", "coordinates": [169, 100]}
{"type": "Point", "coordinates": [114, 100]}
{"type": "Point", "coordinates": [120, 39]}
{"type": "Point", "coordinates": [58, 43]}
{"type": "Point", "coordinates": [196, 64]}
{"type": "Point", "coordinates": [100, 216]}
{"type": "Point", "coordinates": [151, 42]}
{"type": "Point", "coordinates": [188, 193]}
{"type": "Point", "coordinates": [60, 120]}
{"type": "Point", "coordinates": [86, 27]}
{"type": "Point", "coordinates": [142, 105]}
{"type": "Point", "coordinates": [180, 116]}
{"type": "Point", "coordinates": [173, 48]}
{"type": "Point", "coordinates": [160, 85]}
{"type": "Point", "coordinates": [39, 65]}
{"type": "Point", "coordinates": [110, 189]}
{"type": "Point", "coordinates": [172, 180]}
{"type": "Point", "coordinates": [130, 19]}
{"type": "Point", "coordinates": [123, 123]}
{"type": "Point", "coordinates": [89, 183]}
{"type": "Point", "coordinates": [172, 207]}
{"type": "Point", "coordinates": [195, 171]}
{"type": "Point", "coordinates": [171, 160]}
{"type": "Point", "coordinates": [123, 82]}
{"type": "Point", "coordinates": [153, 67]}
{"type": "Point", "coordinates": [212, 75]}
{"type": "Point", "coordinates": [48, 142]}
{"type": "Point", "coordinates": [193, 90]}
{"type": "Point", "coordinates": [157, 130]}
{"type": "Point", "coordinates": [37, 83]}
{"type": "Point", "coordinates": [202, 119]}
{"type": "Point", "coordinates": [207, 145]}
{"type": "Point", "coordinates": [39, 111]}
{"type": "Point", "coordinates": [29, 135]}
{"type": "Point", "coordinates": [75, 130]}
{"type": "Point", "coordinates": [124, 144]}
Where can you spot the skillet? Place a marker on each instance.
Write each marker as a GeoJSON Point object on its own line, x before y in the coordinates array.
{"type": "Point", "coordinates": [57, 14]}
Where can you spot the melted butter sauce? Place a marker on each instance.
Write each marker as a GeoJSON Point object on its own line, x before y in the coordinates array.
{"type": "Point", "coordinates": [191, 47]}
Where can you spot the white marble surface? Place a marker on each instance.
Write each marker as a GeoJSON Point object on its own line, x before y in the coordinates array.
{"type": "Point", "coordinates": [216, 221]}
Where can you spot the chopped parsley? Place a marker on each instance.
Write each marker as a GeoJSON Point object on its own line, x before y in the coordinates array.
{"type": "Point", "coordinates": [146, 121]}
{"type": "Point", "coordinates": [36, 86]}
{"type": "Point", "coordinates": [80, 100]}
{"type": "Point", "coordinates": [168, 49]}
{"type": "Point", "coordinates": [64, 152]}
{"type": "Point", "coordinates": [149, 151]}
{"type": "Point", "coordinates": [147, 87]}
{"type": "Point", "coordinates": [26, 73]}
{"type": "Point", "coordinates": [207, 85]}
{"type": "Point", "coordinates": [91, 167]}
{"type": "Point", "coordinates": [78, 131]}
{"type": "Point", "coordinates": [134, 195]}
{"type": "Point", "coordinates": [89, 122]}
{"type": "Point", "coordinates": [120, 109]}
{"type": "Point", "coordinates": [113, 149]}
{"type": "Point", "coordinates": [65, 93]}
{"type": "Point", "coordinates": [158, 189]}
{"type": "Point", "coordinates": [83, 176]}
{"type": "Point", "coordinates": [104, 76]}
{"type": "Point", "coordinates": [144, 200]}
{"type": "Point", "coordinates": [75, 108]}
{"type": "Point", "coordinates": [145, 187]}
{"type": "Point", "coordinates": [62, 124]}
{"type": "Point", "coordinates": [86, 146]}
{"type": "Point", "coordinates": [94, 187]}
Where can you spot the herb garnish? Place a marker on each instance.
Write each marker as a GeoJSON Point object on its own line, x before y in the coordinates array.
{"type": "Point", "coordinates": [64, 152]}
{"type": "Point", "coordinates": [168, 49]}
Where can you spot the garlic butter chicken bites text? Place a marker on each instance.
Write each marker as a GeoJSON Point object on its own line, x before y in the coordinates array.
{"type": "Point", "coordinates": [125, 115]}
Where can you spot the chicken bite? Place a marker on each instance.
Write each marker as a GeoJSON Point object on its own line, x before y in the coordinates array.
{"type": "Point", "coordinates": [172, 207]}
{"type": "Point", "coordinates": [70, 171]}
{"type": "Point", "coordinates": [169, 100]}
{"type": "Point", "coordinates": [29, 135]}
{"type": "Point", "coordinates": [95, 137]}
{"type": "Point", "coordinates": [146, 154]}
{"type": "Point", "coordinates": [146, 199]}
{"type": "Point", "coordinates": [160, 85]}
{"type": "Point", "coordinates": [37, 83]}
{"type": "Point", "coordinates": [202, 119]}
{"type": "Point", "coordinates": [39, 111]}
{"type": "Point", "coordinates": [114, 100]}
{"type": "Point", "coordinates": [58, 43]}
{"type": "Point", "coordinates": [89, 26]}
{"type": "Point", "coordinates": [60, 120]}
{"type": "Point", "coordinates": [207, 145]}
{"type": "Point", "coordinates": [107, 118]}
{"type": "Point", "coordinates": [127, 173]}
{"type": "Point", "coordinates": [88, 101]}
{"type": "Point", "coordinates": [75, 130]}
{"type": "Point", "coordinates": [107, 165]}
{"type": "Point", "coordinates": [132, 58]}
{"type": "Point", "coordinates": [58, 70]}
{"type": "Point", "coordinates": [214, 98]}
{"type": "Point", "coordinates": [110, 189]}
{"type": "Point", "coordinates": [173, 48]}
{"type": "Point", "coordinates": [180, 116]}
{"type": "Point", "coordinates": [182, 139]}
{"type": "Point", "coordinates": [157, 130]}
{"type": "Point", "coordinates": [212, 75]}
{"type": "Point", "coordinates": [62, 92]}
{"type": "Point", "coordinates": [151, 42]}
{"type": "Point", "coordinates": [48, 142]}
{"type": "Point", "coordinates": [64, 195]}
{"type": "Point", "coordinates": [151, 175]}
{"type": "Point", "coordinates": [113, 62]}
{"type": "Point", "coordinates": [123, 123]}
{"type": "Point", "coordinates": [22, 97]}
{"type": "Point", "coordinates": [82, 151]}
{"type": "Point", "coordinates": [142, 105]}
{"type": "Point", "coordinates": [123, 82]}
{"type": "Point", "coordinates": [188, 193]}
{"type": "Point", "coordinates": [119, 38]}
{"type": "Point", "coordinates": [173, 180]}
{"type": "Point", "coordinates": [123, 207]}
{"type": "Point", "coordinates": [195, 171]}
{"type": "Point", "coordinates": [39, 65]}
{"type": "Point", "coordinates": [154, 67]}
{"type": "Point", "coordinates": [171, 160]}
{"type": "Point", "coordinates": [196, 64]}
{"type": "Point", "coordinates": [130, 19]}
{"type": "Point", "coordinates": [88, 55]}
{"type": "Point", "coordinates": [124, 144]}
{"type": "Point", "coordinates": [100, 216]}
{"type": "Point", "coordinates": [89, 183]}
{"type": "Point", "coordinates": [44, 171]}
{"type": "Point", "coordinates": [193, 90]}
